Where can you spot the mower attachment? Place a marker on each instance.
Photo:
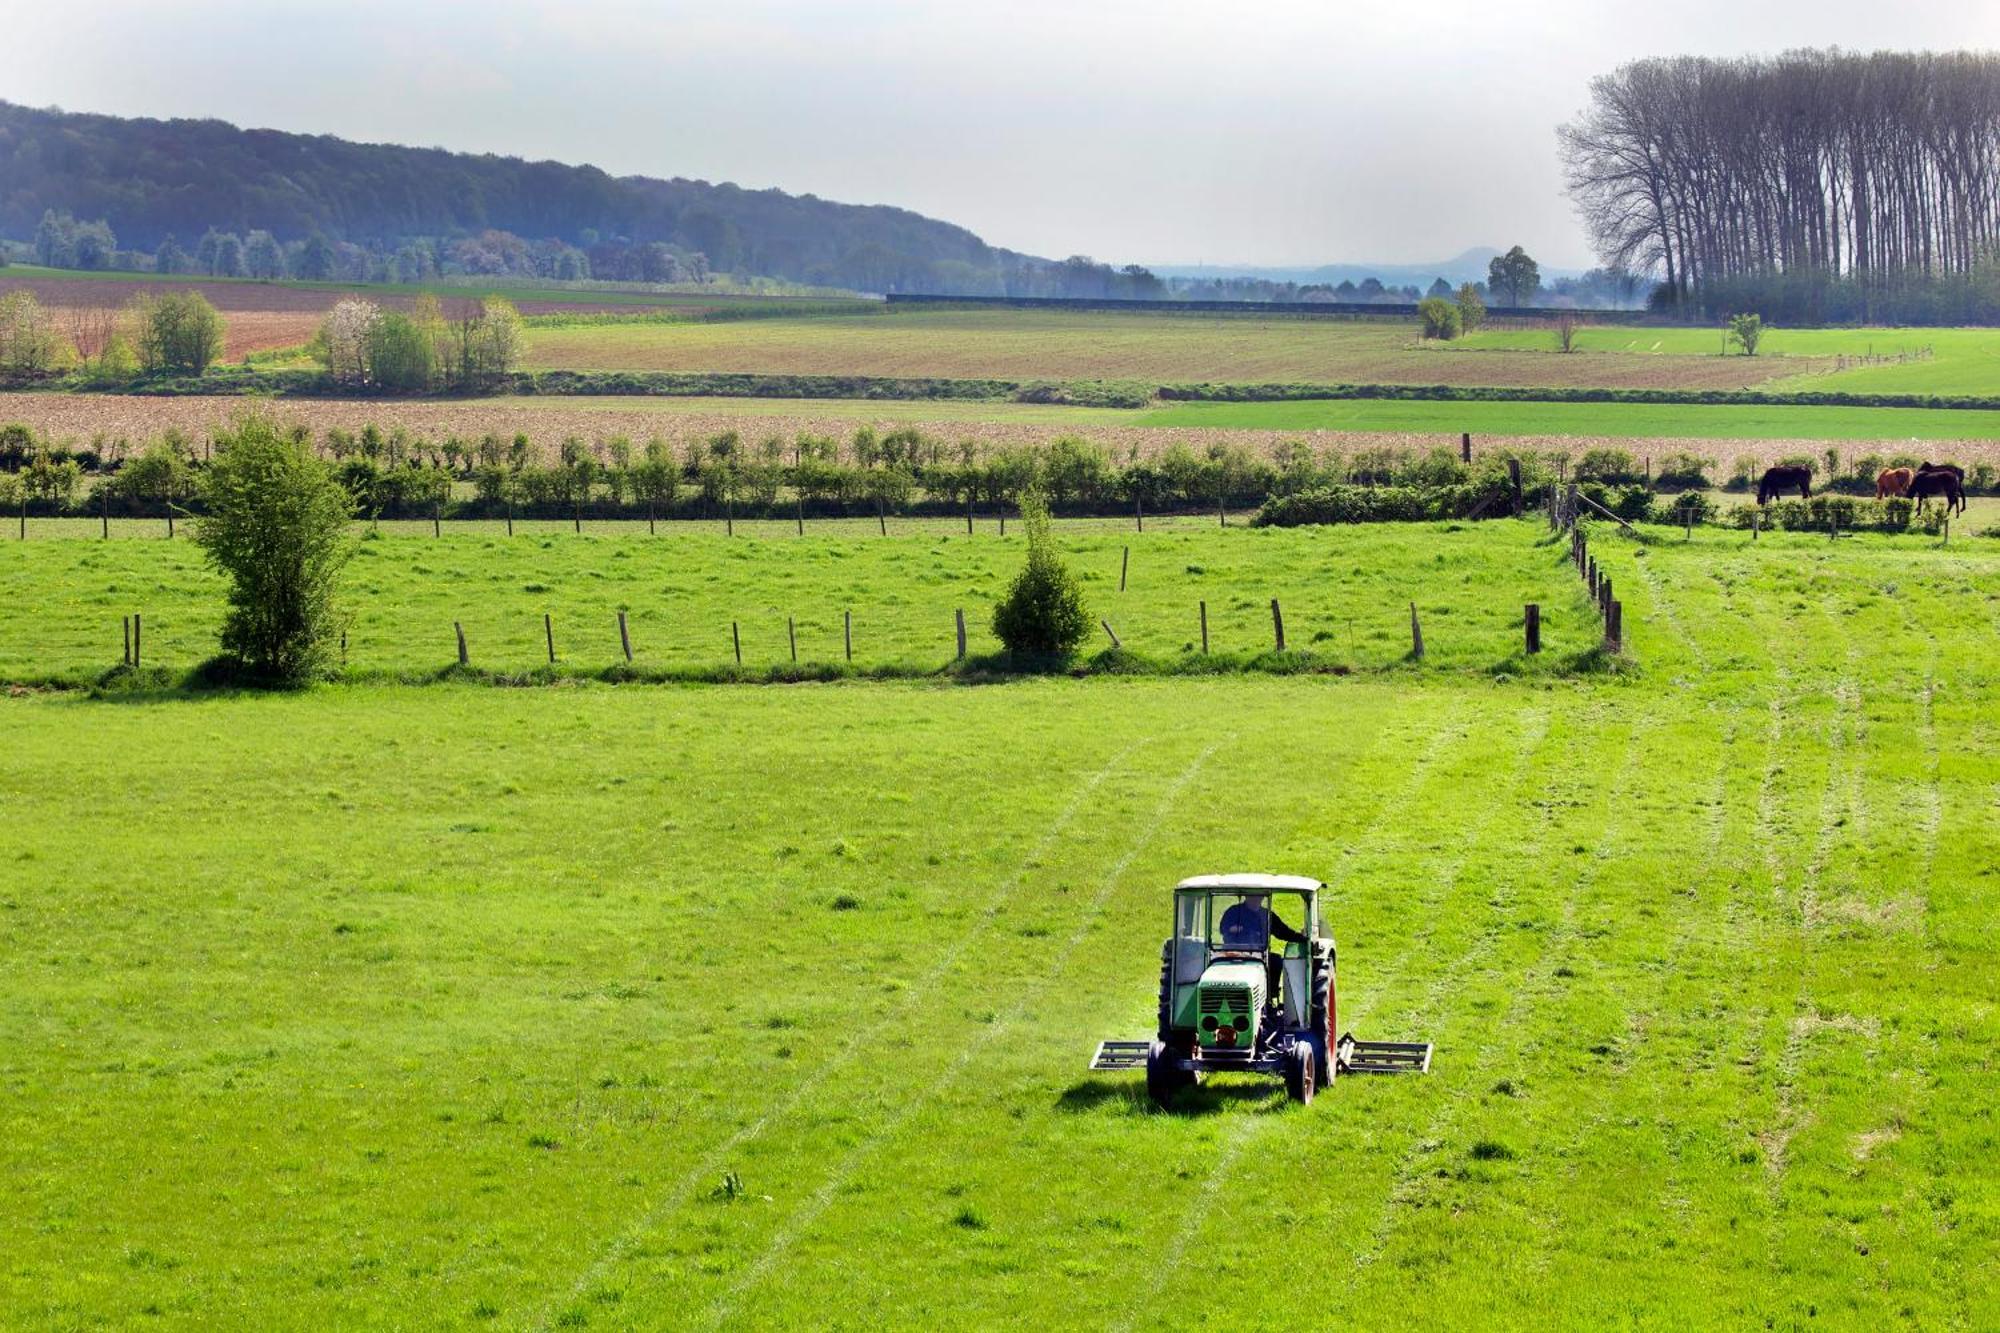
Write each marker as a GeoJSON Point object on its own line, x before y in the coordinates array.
{"type": "Point", "coordinates": [1380, 1057]}
{"type": "Point", "coordinates": [1120, 1055]}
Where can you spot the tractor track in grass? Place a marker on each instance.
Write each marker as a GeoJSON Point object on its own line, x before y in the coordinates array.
{"type": "Point", "coordinates": [1656, 595]}
{"type": "Point", "coordinates": [1251, 1126]}
{"type": "Point", "coordinates": [1639, 1022]}
{"type": "Point", "coordinates": [1444, 885]}
{"type": "Point", "coordinates": [807, 1213]}
{"type": "Point", "coordinates": [717, 1157]}
{"type": "Point", "coordinates": [1798, 909]}
{"type": "Point", "coordinates": [1533, 982]}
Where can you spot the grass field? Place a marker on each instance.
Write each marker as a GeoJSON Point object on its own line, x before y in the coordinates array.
{"type": "Point", "coordinates": [1901, 360]}
{"type": "Point", "coordinates": [1344, 593]}
{"type": "Point", "coordinates": [458, 1006]}
{"type": "Point", "coordinates": [1040, 344]}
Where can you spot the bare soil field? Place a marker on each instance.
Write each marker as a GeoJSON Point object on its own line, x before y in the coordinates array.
{"type": "Point", "coordinates": [548, 421]}
{"type": "Point", "coordinates": [1034, 344]}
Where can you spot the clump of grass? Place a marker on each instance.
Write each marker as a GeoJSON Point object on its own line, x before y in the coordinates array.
{"type": "Point", "coordinates": [1487, 1150]}
{"type": "Point", "coordinates": [969, 1219]}
{"type": "Point", "coordinates": [845, 902]}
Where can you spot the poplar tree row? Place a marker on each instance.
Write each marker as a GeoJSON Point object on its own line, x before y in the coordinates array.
{"type": "Point", "coordinates": [1816, 184]}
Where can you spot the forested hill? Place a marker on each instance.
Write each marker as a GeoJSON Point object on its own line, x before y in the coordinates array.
{"type": "Point", "coordinates": [150, 179]}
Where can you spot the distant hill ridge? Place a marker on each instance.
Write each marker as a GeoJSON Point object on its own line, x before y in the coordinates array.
{"type": "Point", "coordinates": [154, 178]}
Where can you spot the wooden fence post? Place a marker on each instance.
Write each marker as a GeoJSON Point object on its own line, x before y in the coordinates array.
{"type": "Point", "coordinates": [105, 509]}
{"type": "Point", "coordinates": [882, 516]}
{"type": "Point", "coordinates": [549, 633]}
{"type": "Point", "coordinates": [1278, 624]}
{"type": "Point", "coordinates": [847, 631]}
{"type": "Point", "coordinates": [736, 640]}
{"type": "Point", "coordinates": [1514, 479]}
{"type": "Point", "coordinates": [802, 513]}
{"type": "Point", "coordinates": [576, 517]}
{"type": "Point", "coordinates": [437, 513]}
{"type": "Point", "coordinates": [1139, 513]}
{"type": "Point", "coordinates": [1112, 632]}
{"type": "Point", "coordinates": [968, 513]}
{"type": "Point", "coordinates": [1465, 447]}
{"type": "Point", "coordinates": [138, 632]}
{"type": "Point", "coordinates": [792, 634]}
{"type": "Point", "coordinates": [1756, 522]}
{"type": "Point", "coordinates": [729, 516]}
{"type": "Point", "coordinates": [1604, 595]}
{"type": "Point", "coordinates": [464, 658]}
{"type": "Point", "coordinates": [1614, 627]}
{"type": "Point", "coordinates": [624, 636]}
{"type": "Point", "coordinates": [1221, 516]}
{"type": "Point", "coordinates": [651, 531]}
{"type": "Point", "coordinates": [1590, 576]}
{"type": "Point", "coordinates": [170, 520]}
{"type": "Point", "coordinates": [1124, 563]}
{"type": "Point", "coordinates": [961, 634]}
{"type": "Point", "coordinates": [125, 623]}
{"type": "Point", "coordinates": [510, 516]}
{"type": "Point", "coordinates": [1416, 635]}
{"type": "Point", "coordinates": [1534, 627]}
{"type": "Point", "coordinates": [1204, 629]}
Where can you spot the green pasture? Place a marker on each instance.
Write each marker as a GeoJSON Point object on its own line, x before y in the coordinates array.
{"type": "Point", "coordinates": [1954, 361]}
{"type": "Point", "coordinates": [1344, 593]}
{"type": "Point", "coordinates": [642, 1006]}
{"type": "Point", "coordinates": [1626, 420]}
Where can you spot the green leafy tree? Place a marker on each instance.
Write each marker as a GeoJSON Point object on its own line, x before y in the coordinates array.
{"type": "Point", "coordinates": [1439, 317]}
{"type": "Point", "coordinates": [1746, 331]}
{"type": "Point", "coordinates": [160, 473]}
{"type": "Point", "coordinates": [1513, 278]}
{"type": "Point", "coordinates": [277, 527]}
{"type": "Point", "coordinates": [1042, 614]}
{"type": "Point", "coordinates": [401, 353]}
{"type": "Point", "coordinates": [1471, 308]}
{"type": "Point", "coordinates": [178, 332]}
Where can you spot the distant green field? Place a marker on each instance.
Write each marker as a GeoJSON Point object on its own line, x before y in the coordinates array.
{"type": "Point", "coordinates": [513, 289]}
{"type": "Point", "coordinates": [641, 1007]}
{"type": "Point", "coordinates": [1941, 361]}
{"type": "Point", "coordinates": [1637, 420]}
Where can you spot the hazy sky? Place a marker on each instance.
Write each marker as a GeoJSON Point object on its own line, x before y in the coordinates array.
{"type": "Point", "coordinates": [1275, 132]}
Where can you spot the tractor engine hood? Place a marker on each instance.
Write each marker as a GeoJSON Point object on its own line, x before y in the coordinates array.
{"type": "Point", "coordinates": [1228, 1001]}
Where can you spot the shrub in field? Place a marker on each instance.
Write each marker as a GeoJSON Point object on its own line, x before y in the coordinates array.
{"type": "Point", "coordinates": [1440, 318]}
{"type": "Point", "coordinates": [160, 473]}
{"type": "Point", "coordinates": [400, 353]}
{"type": "Point", "coordinates": [276, 525]}
{"type": "Point", "coordinates": [178, 332]}
{"type": "Point", "coordinates": [1746, 331]}
{"type": "Point", "coordinates": [1682, 472]}
{"type": "Point", "coordinates": [1607, 465]}
{"type": "Point", "coordinates": [29, 343]}
{"type": "Point", "coordinates": [1686, 505]}
{"type": "Point", "coordinates": [1042, 614]}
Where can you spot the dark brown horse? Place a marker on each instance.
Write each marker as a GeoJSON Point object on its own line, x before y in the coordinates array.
{"type": "Point", "coordinates": [1943, 482]}
{"type": "Point", "coordinates": [1894, 481]}
{"type": "Point", "coordinates": [1778, 480]}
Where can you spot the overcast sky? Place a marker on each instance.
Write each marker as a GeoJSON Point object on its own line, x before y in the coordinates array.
{"type": "Point", "coordinates": [1275, 132]}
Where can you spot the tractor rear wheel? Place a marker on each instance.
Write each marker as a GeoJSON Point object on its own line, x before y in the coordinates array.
{"type": "Point", "coordinates": [1301, 1066]}
{"type": "Point", "coordinates": [1322, 1020]}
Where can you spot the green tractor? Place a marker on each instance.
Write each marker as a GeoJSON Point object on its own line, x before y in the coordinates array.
{"type": "Point", "coordinates": [1242, 990]}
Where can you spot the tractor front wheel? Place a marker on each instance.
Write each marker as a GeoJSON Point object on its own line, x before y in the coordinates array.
{"type": "Point", "coordinates": [1301, 1069]}
{"type": "Point", "coordinates": [1162, 1079]}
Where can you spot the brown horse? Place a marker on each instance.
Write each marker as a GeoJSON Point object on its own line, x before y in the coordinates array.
{"type": "Point", "coordinates": [1894, 481]}
{"type": "Point", "coordinates": [1941, 482]}
{"type": "Point", "coordinates": [1778, 480]}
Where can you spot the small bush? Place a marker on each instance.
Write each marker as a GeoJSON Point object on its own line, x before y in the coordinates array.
{"type": "Point", "coordinates": [1440, 318]}
{"type": "Point", "coordinates": [1043, 614]}
{"type": "Point", "coordinates": [1682, 472]}
{"type": "Point", "coordinates": [1609, 465]}
{"type": "Point", "coordinates": [277, 526]}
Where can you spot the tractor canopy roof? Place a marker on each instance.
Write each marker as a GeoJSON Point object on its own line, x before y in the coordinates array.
{"type": "Point", "coordinates": [1243, 883]}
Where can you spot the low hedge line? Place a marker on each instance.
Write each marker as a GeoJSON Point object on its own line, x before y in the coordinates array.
{"type": "Point", "coordinates": [1387, 504]}
{"type": "Point", "coordinates": [1459, 393]}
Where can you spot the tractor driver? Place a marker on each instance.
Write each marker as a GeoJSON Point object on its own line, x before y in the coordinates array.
{"type": "Point", "coordinates": [1249, 924]}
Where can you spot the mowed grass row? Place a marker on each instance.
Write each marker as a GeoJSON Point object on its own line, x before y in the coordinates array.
{"type": "Point", "coordinates": [469, 1001]}
{"type": "Point", "coordinates": [1344, 594]}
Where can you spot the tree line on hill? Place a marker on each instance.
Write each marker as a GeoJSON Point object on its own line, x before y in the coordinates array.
{"type": "Point", "coordinates": [1815, 186]}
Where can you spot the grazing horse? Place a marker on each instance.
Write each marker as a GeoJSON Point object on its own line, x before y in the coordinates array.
{"type": "Point", "coordinates": [1894, 481]}
{"type": "Point", "coordinates": [1942, 481]}
{"type": "Point", "coordinates": [1778, 480]}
